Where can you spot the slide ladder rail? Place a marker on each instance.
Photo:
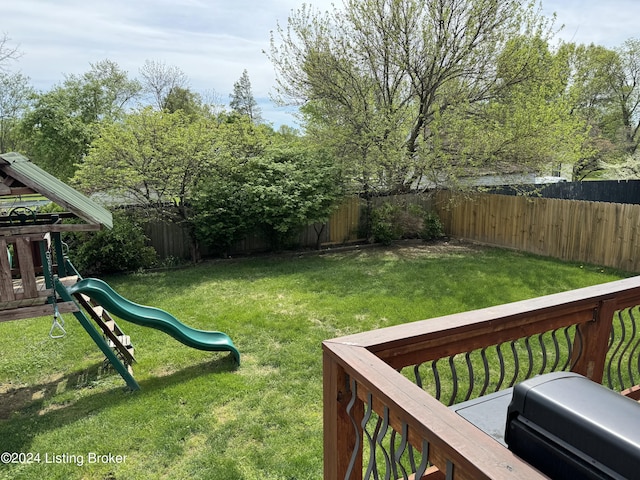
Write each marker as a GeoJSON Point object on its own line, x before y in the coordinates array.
{"type": "Point", "coordinates": [123, 369]}
{"type": "Point", "coordinates": [102, 293]}
{"type": "Point", "coordinates": [116, 337]}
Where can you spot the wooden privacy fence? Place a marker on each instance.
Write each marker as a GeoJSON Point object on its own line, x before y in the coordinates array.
{"type": "Point", "coordinates": [600, 233]}
{"type": "Point", "coordinates": [592, 232]}
{"type": "Point", "coordinates": [171, 240]}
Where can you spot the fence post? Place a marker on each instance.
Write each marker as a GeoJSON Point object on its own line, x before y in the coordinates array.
{"type": "Point", "coordinates": [339, 434]}
{"type": "Point", "coordinates": [594, 342]}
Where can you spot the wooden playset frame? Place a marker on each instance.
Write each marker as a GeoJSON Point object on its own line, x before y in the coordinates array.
{"type": "Point", "coordinates": [37, 279]}
{"type": "Point", "coordinates": [32, 241]}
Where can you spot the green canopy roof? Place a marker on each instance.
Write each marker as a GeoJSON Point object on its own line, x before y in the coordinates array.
{"type": "Point", "coordinates": [21, 169]}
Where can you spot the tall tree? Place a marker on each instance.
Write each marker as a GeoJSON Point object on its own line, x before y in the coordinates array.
{"type": "Point", "coordinates": [384, 72]}
{"type": "Point", "coordinates": [59, 127]}
{"type": "Point", "coordinates": [15, 97]}
{"type": "Point", "coordinates": [183, 99]}
{"type": "Point", "coordinates": [154, 158]}
{"type": "Point", "coordinates": [162, 81]}
{"type": "Point", "coordinates": [591, 96]}
{"type": "Point", "coordinates": [242, 100]}
{"type": "Point", "coordinates": [104, 92]}
{"type": "Point", "coordinates": [605, 89]}
{"type": "Point", "coordinates": [527, 127]}
{"type": "Point", "coordinates": [625, 85]}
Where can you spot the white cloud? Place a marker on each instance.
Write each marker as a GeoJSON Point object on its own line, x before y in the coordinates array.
{"type": "Point", "coordinates": [607, 23]}
{"type": "Point", "coordinates": [213, 41]}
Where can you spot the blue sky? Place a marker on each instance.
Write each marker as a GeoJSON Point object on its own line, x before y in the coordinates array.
{"type": "Point", "coordinates": [213, 41]}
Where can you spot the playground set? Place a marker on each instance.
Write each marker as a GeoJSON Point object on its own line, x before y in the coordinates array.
{"type": "Point", "coordinates": [37, 279]}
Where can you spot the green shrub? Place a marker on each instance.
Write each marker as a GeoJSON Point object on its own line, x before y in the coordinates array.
{"type": "Point", "coordinates": [220, 214]}
{"type": "Point", "coordinates": [120, 249]}
{"type": "Point", "coordinates": [384, 225]}
{"type": "Point", "coordinates": [278, 193]}
{"type": "Point", "coordinates": [391, 222]}
{"type": "Point", "coordinates": [432, 227]}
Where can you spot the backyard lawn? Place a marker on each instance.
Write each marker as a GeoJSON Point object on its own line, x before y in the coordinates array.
{"type": "Point", "coordinates": [199, 416]}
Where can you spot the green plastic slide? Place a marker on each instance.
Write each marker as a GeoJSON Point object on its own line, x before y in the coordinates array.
{"type": "Point", "coordinates": [100, 292]}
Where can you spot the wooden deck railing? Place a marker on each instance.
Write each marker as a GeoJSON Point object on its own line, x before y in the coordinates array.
{"type": "Point", "coordinates": [386, 391]}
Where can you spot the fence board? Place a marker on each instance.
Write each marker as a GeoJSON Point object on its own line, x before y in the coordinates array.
{"type": "Point", "coordinates": [168, 239]}
{"type": "Point", "coordinates": [344, 223]}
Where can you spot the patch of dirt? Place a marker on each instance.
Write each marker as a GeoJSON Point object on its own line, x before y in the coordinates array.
{"type": "Point", "coordinates": [404, 248]}
{"type": "Point", "coordinates": [15, 397]}
{"type": "Point", "coordinates": [419, 248]}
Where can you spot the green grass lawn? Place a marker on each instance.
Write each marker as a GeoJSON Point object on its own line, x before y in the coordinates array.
{"type": "Point", "coordinates": [197, 415]}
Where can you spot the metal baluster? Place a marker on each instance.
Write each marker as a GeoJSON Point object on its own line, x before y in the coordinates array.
{"type": "Point", "coordinates": [372, 444]}
{"type": "Point", "coordinates": [416, 373]}
{"type": "Point", "coordinates": [624, 350]}
{"type": "Point", "coordinates": [556, 347]}
{"type": "Point", "coordinates": [529, 356]}
{"type": "Point", "coordinates": [412, 460]}
{"type": "Point", "coordinates": [380, 439]}
{"type": "Point", "coordinates": [567, 337]}
{"type": "Point", "coordinates": [449, 475]}
{"type": "Point", "coordinates": [454, 377]}
{"type": "Point", "coordinates": [516, 364]}
{"type": "Point", "coordinates": [543, 350]}
{"type": "Point", "coordinates": [633, 355]}
{"type": "Point", "coordinates": [400, 451]}
{"type": "Point", "coordinates": [424, 464]}
{"type": "Point", "coordinates": [356, 447]}
{"type": "Point", "coordinates": [467, 358]}
{"type": "Point", "coordinates": [501, 361]}
{"type": "Point", "coordinates": [436, 378]}
{"type": "Point", "coordinates": [485, 365]}
{"type": "Point", "coordinates": [376, 432]}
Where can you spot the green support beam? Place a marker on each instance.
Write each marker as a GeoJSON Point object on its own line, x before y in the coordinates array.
{"type": "Point", "coordinates": [98, 339]}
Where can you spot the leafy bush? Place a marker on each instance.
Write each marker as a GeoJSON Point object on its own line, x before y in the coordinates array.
{"type": "Point", "coordinates": [433, 228]}
{"type": "Point", "coordinates": [393, 222]}
{"type": "Point", "coordinates": [290, 188]}
{"type": "Point", "coordinates": [384, 225]}
{"type": "Point", "coordinates": [220, 215]}
{"type": "Point", "coordinates": [123, 248]}
{"type": "Point", "coordinates": [278, 192]}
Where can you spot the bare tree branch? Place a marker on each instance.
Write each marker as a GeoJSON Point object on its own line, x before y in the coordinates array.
{"type": "Point", "coordinates": [160, 80]}
{"type": "Point", "coordinates": [7, 52]}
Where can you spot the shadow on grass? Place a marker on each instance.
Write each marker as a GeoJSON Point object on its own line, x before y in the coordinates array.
{"type": "Point", "coordinates": [252, 268]}
{"type": "Point", "coordinates": [26, 412]}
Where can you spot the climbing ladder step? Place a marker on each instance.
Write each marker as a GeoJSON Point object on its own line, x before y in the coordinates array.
{"type": "Point", "coordinates": [116, 339]}
{"type": "Point", "coordinates": [111, 324]}
{"type": "Point", "coordinates": [125, 340]}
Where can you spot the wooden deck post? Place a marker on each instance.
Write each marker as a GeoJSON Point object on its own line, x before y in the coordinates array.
{"type": "Point", "coordinates": [595, 340]}
{"type": "Point", "coordinates": [339, 433]}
